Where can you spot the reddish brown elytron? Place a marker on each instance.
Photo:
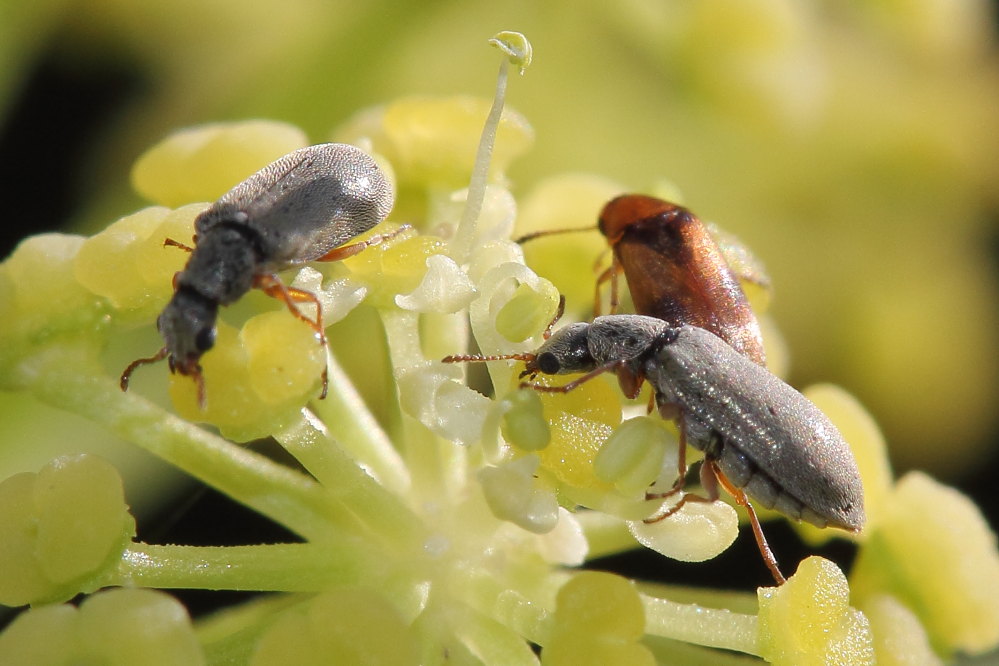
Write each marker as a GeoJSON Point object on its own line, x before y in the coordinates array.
{"type": "Point", "coordinates": [676, 271]}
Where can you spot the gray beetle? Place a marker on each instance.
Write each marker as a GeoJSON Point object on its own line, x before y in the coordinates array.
{"type": "Point", "coordinates": [300, 208]}
{"type": "Point", "coordinates": [759, 436]}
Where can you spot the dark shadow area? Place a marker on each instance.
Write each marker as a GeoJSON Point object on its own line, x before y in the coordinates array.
{"type": "Point", "coordinates": [66, 102]}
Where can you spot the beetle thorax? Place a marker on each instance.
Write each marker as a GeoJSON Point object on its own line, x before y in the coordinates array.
{"type": "Point", "coordinates": [224, 263]}
{"type": "Point", "coordinates": [624, 337]}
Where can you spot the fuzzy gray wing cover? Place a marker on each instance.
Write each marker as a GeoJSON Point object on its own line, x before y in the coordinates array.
{"type": "Point", "coordinates": [780, 431]}
{"type": "Point", "coordinates": [310, 201]}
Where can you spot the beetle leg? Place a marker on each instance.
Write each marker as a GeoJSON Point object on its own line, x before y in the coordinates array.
{"type": "Point", "coordinates": [707, 481]}
{"type": "Point", "coordinates": [610, 274]}
{"type": "Point", "coordinates": [681, 473]}
{"type": "Point", "coordinates": [614, 287]}
{"type": "Point", "coordinates": [761, 541]}
{"type": "Point", "coordinates": [710, 486]}
{"type": "Point", "coordinates": [326, 383]}
{"type": "Point", "coordinates": [689, 497]}
{"type": "Point", "coordinates": [344, 251]}
{"type": "Point", "coordinates": [199, 382]}
{"type": "Point", "coordinates": [169, 242]}
{"type": "Point", "coordinates": [629, 380]}
{"type": "Point", "coordinates": [610, 366]}
{"type": "Point", "coordinates": [273, 286]}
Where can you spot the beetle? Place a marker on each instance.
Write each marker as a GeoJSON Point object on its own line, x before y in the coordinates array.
{"type": "Point", "coordinates": [759, 435]}
{"type": "Point", "coordinates": [301, 208]}
{"type": "Point", "coordinates": [676, 271]}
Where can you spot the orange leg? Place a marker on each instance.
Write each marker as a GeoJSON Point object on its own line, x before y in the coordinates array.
{"type": "Point", "coordinates": [611, 274]}
{"type": "Point", "coordinates": [169, 242]}
{"type": "Point", "coordinates": [689, 497]}
{"type": "Point", "coordinates": [681, 477]}
{"type": "Point", "coordinates": [273, 286]}
{"type": "Point", "coordinates": [199, 381]}
{"type": "Point", "coordinates": [761, 541]}
{"type": "Point", "coordinates": [344, 251]}
{"type": "Point", "coordinates": [711, 477]}
{"type": "Point", "coordinates": [615, 300]}
{"type": "Point", "coordinates": [707, 480]}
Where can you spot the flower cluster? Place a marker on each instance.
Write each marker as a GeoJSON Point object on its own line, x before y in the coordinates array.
{"type": "Point", "coordinates": [447, 526]}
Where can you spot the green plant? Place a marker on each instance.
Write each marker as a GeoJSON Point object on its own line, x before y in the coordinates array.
{"type": "Point", "coordinates": [426, 536]}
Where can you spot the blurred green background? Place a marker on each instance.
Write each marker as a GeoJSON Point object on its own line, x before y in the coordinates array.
{"type": "Point", "coordinates": [851, 145]}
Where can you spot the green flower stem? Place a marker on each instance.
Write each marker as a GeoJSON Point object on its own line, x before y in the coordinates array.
{"type": "Point", "coordinates": [447, 333]}
{"type": "Point", "coordinates": [358, 432]}
{"type": "Point", "coordinates": [380, 511]}
{"type": "Point", "coordinates": [403, 334]}
{"type": "Point", "coordinates": [423, 455]}
{"type": "Point", "coordinates": [462, 243]}
{"type": "Point", "coordinates": [737, 601]}
{"type": "Point", "coordinates": [64, 379]}
{"type": "Point", "coordinates": [691, 623]}
{"type": "Point", "coordinates": [285, 567]}
{"type": "Point", "coordinates": [443, 334]}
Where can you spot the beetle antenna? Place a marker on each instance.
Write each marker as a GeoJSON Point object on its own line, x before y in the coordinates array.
{"type": "Point", "coordinates": [127, 374]}
{"type": "Point", "coordinates": [471, 358]}
{"type": "Point", "coordinates": [550, 232]}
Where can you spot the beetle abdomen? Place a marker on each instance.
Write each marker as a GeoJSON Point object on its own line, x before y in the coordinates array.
{"type": "Point", "coordinates": [771, 439]}
{"type": "Point", "coordinates": [765, 491]}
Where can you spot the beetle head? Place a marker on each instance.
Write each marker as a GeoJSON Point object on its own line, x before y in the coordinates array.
{"type": "Point", "coordinates": [566, 351]}
{"type": "Point", "coordinates": [187, 325]}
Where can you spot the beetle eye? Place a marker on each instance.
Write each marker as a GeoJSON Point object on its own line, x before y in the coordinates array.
{"type": "Point", "coordinates": [205, 339]}
{"type": "Point", "coordinates": [548, 363]}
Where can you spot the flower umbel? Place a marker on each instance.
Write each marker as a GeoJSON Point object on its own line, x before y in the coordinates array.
{"type": "Point", "coordinates": [436, 524]}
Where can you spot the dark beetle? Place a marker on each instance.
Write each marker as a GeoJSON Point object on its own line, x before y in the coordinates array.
{"type": "Point", "coordinates": [758, 434]}
{"type": "Point", "coordinates": [767, 437]}
{"type": "Point", "coordinates": [301, 208]}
